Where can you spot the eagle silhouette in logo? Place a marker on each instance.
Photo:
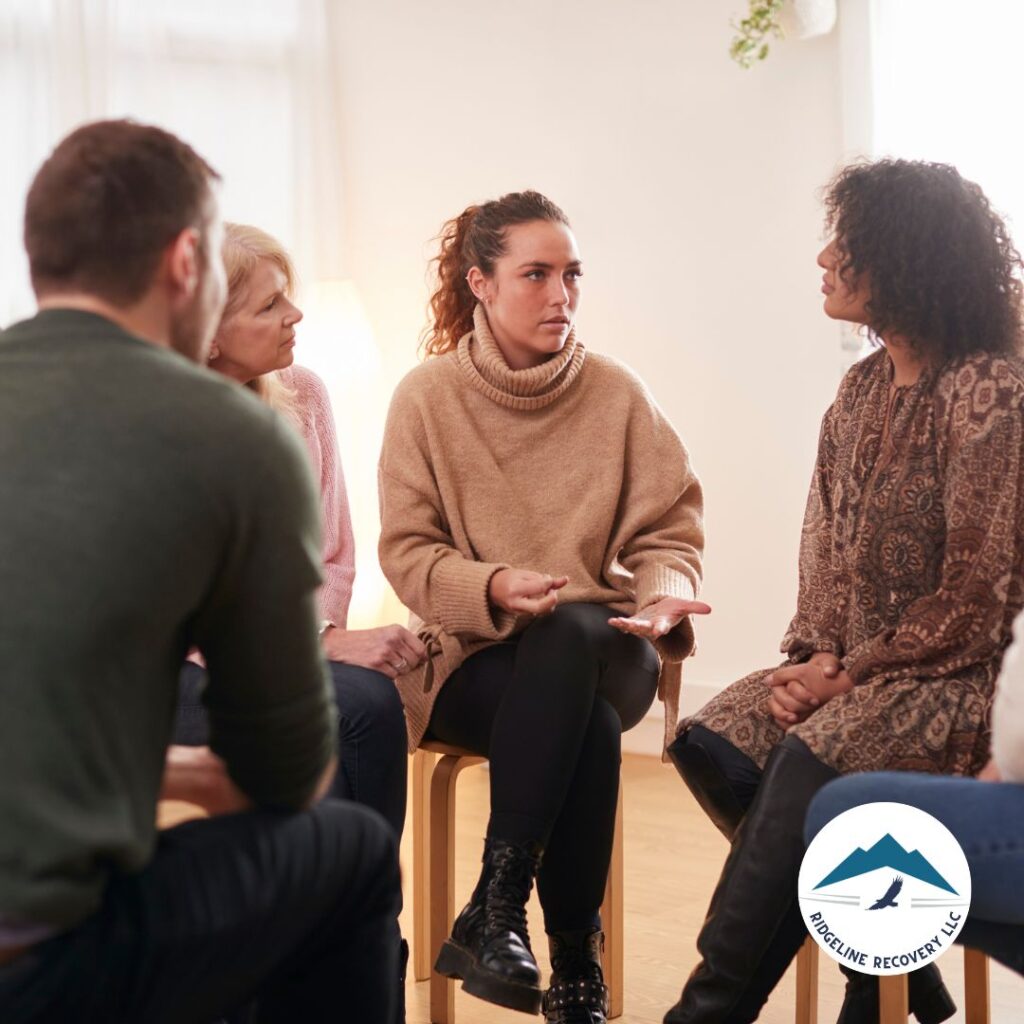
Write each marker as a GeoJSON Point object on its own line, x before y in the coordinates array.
{"type": "Point", "coordinates": [889, 899]}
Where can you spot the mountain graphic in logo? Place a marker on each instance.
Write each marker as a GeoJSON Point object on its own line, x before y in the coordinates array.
{"type": "Point", "coordinates": [886, 853]}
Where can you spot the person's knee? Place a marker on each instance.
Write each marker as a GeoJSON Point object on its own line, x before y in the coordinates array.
{"type": "Point", "coordinates": [569, 623]}
{"type": "Point", "coordinates": [731, 762]}
{"type": "Point", "coordinates": [571, 631]}
{"type": "Point", "coordinates": [852, 791]}
{"type": "Point", "coordinates": [361, 836]}
{"type": "Point", "coordinates": [370, 708]}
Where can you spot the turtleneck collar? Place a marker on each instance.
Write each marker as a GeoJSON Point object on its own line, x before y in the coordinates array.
{"type": "Point", "coordinates": [483, 365]}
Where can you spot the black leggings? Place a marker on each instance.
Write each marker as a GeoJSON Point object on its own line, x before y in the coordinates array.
{"type": "Point", "coordinates": [548, 709]}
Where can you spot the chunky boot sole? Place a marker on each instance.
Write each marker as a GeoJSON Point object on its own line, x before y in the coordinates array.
{"type": "Point", "coordinates": [456, 961]}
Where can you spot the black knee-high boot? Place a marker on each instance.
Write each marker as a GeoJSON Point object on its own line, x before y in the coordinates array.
{"type": "Point", "coordinates": [720, 778]}
{"type": "Point", "coordinates": [754, 928]}
{"type": "Point", "coordinates": [698, 756]}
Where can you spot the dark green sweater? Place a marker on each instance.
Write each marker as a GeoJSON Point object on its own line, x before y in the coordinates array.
{"type": "Point", "coordinates": [146, 505]}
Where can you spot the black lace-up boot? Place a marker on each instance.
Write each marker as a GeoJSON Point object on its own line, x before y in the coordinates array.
{"type": "Point", "coordinates": [489, 948]}
{"type": "Point", "coordinates": [578, 994]}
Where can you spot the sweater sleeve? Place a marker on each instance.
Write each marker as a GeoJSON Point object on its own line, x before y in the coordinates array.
{"type": "Point", "coordinates": [418, 555]}
{"type": "Point", "coordinates": [1008, 712]}
{"type": "Point", "coordinates": [339, 553]}
{"type": "Point", "coordinates": [663, 498]}
{"type": "Point", "coordinates": [270, 706]}
{"type": "Point", "coordinates": [967, 619]}
{"type": "Point", "coordinates": [815, 626]}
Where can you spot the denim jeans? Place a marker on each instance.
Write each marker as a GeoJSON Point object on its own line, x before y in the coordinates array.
{"type": "Point", "coordinates": [372, 758]}
{"type": "Point", "coordinates": [987, 819]}
{"type": "Point", "coordinates": [291, 916]}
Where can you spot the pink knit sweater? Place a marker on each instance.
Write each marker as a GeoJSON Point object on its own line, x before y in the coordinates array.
{"type": "Point", "coordinates": [316, 421]}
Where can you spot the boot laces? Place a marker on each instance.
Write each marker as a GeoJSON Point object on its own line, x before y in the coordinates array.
{"type": "Point", "coordinates": [507, 892]}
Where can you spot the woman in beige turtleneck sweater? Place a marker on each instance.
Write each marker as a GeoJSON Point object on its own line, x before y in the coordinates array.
{"type": "Point", "coordinates": [541, 521]}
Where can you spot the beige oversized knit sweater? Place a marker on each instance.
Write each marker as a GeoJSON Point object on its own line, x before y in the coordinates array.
{"type": "Point", "coordinates": [568, 468]}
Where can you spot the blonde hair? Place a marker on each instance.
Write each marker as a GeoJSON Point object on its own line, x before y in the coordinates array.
{"type": "Point", "coordinates": [244, 247]}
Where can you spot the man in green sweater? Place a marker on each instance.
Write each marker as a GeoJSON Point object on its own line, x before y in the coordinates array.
{"type": "Point", "coordinates": [148, 506]}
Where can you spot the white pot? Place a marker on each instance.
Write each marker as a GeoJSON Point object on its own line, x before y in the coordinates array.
{"type": "Point", "coordinates": [804, 19]}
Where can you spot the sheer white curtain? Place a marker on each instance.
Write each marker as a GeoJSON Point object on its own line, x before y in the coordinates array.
{"type": "Point", "coordinates": [946, 86]}
{"type": "Point", "coordinates": [252, 85]}
{"type": "Point", "coordinates": [219, 75]}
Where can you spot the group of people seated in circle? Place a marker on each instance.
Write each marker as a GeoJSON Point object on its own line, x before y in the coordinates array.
{"type": "Point", "coordinates": [177, 563]}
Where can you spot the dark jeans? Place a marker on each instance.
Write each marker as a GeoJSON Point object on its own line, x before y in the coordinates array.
{"type": "Point", "coordinates": [294, 911]}
{"type": "Point", "coordinates": [548, 709]}
{"type": "Point", "coordinates": [987, 819]}
{"type": "Point", "coordinates": [372, 758]}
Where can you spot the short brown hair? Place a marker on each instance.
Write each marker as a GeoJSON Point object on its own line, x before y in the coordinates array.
{"type": "Point", "coordinates": [107, 202]}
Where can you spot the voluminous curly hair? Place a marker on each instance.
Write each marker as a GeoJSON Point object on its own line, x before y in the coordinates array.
{"type": "Point", "coordinates": [941, 269]}
{"type": "Point", "coordinates": [476, 238]}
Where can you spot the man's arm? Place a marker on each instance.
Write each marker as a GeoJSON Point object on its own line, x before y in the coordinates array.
{"type": "Point", "coordinates": [196, 775]}
{"type": "Point", "coordinates": [272, 716]}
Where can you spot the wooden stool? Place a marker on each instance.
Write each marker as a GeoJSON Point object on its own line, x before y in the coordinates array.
{"type": "Point", "coordinates": [892, 989]}
{"type": "Point", "coordinates": [433, 895]}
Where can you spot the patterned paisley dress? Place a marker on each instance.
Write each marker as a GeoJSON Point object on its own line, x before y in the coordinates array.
{"type": "Point", "coordinates": [911, 570]}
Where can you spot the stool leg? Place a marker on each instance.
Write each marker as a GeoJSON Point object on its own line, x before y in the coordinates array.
{"type": "Point", "coordinates": [977, 1003]}
{"type": "Point", "coordinates": [442, 877]}
{"type": "Point", "coordinates": [612, 919]}
{"type": "Point", "coordinates": [807, 983]}
{"type": "Point", "coordinates": [892, 999]}
{"type": "Point", "coordinates": [422, 766]}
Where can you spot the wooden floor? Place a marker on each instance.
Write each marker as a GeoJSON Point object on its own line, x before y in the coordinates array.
{"type": "Point", "coordinates": [673, 856]}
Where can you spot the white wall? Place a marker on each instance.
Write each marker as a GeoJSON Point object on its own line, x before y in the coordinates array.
{"type": "Point", "coordinates": [692, 187]}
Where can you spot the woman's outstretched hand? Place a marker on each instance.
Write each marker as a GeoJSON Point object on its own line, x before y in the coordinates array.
{"type": "Point", "coordinates": [657, 619]}
{"type": "Point", "coordinates": [520, 591]}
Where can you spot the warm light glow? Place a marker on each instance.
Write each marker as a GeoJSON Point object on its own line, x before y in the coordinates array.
{"type": "Point", "coordinates": [337, 340]}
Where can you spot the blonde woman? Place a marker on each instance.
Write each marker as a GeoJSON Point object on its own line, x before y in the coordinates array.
{"type": "Point", "coordinates": [255, 345]}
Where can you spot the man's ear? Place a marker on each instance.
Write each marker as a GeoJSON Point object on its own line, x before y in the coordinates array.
{"type": "Point", "coordinates": [479, 284]}
{"type": "Point", "coordinates": [182, 262]}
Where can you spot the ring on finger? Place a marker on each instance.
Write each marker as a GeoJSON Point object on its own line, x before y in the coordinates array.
{"type": "Point", "coordinates": [402, 666]}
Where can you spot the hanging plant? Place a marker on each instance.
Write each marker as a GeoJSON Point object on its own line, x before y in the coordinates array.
{"type": "Point", "coordinates": [778, 19]}
{"type": "Point", "coordinates": [754, 31]}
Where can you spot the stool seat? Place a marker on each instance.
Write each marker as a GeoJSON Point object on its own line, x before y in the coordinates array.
{"type": "Point", "coordinates": [446, 749]}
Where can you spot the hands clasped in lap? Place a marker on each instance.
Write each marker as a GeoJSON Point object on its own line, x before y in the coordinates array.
{"type": "Point", "coordinates": [797, 691]}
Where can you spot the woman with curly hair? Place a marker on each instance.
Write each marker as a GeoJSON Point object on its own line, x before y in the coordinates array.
{"type": "Point", "coordinates": [540, 517]}
{"type": "Point", "coordinates": [911, 570]}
